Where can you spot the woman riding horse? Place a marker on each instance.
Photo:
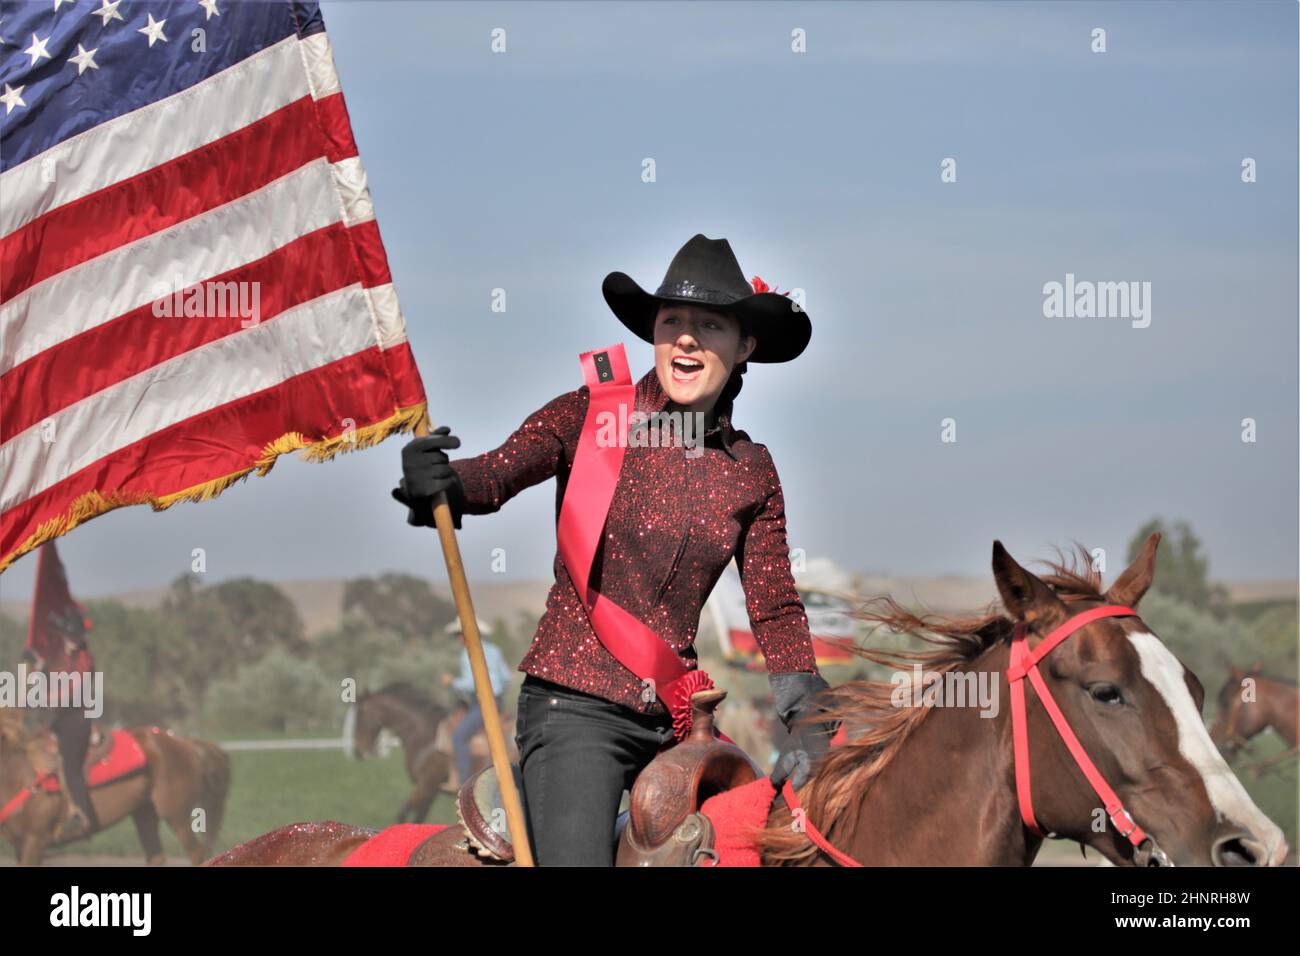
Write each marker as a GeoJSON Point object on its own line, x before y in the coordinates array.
{"type": "Point", "coordinates": [612, 663]}
{"type": "Point", "coordinates": [61, 651]}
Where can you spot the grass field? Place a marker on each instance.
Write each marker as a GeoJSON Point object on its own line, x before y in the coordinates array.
{"type": "Point", "coordinates": [271, 789]}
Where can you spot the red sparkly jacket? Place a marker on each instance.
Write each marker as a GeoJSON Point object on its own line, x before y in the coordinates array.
{"type": "Point", "coordinates": [678, 518]}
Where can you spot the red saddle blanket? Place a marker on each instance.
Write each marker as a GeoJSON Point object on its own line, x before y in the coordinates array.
{"type": "Point", "coordinates": [124, 758]}
{"type": "Point", "coordinates": [393, 846]}
{"type": "Point", "coordinates": [733, 814]}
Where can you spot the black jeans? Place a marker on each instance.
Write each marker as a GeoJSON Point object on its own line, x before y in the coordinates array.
{"type": "Point", "coordinates": [72, 729]}
{"type": "Point", "coordinates": [577, 754]}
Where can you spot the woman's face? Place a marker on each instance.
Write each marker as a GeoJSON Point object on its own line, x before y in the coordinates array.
{"type": "Point", "coordinates": [695, 351]}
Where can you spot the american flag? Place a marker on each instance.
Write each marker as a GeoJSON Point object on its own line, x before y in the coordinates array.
{"type": "Point", "coordinates": [192, 281]}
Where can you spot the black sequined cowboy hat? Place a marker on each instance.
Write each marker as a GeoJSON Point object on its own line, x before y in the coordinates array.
{"type": "Point", "coordinates": [705, 272]}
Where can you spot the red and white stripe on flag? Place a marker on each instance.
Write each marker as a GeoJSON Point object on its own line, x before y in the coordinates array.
{"type": "Point", "coordinates": [189, 289]}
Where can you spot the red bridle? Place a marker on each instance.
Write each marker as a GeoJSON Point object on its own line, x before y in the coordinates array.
{"type": "Point", "coordinates": [1024, 663]}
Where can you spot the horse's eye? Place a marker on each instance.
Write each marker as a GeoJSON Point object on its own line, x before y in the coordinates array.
{"type": "Point", "coordinates": [1106, 693]}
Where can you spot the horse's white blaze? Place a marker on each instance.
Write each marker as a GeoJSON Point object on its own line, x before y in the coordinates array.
{"type": "Point", "coordinates": [1228, 797]}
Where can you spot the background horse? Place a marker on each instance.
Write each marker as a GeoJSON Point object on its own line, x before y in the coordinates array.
{"type": "Point", "coordinates": [424, 729]}
{"type": "Point", "coordinates": [181, 775]}
{"type": "Point", "coordinates": [932, 786]}
{"type": "Point", "coordinates": [1247, 710]}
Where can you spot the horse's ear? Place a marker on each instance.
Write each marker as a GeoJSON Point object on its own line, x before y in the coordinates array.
{"type": "Point", "coordinates": [1025, 597]}
{"type": "Point", "coordinates": [1133, 583]}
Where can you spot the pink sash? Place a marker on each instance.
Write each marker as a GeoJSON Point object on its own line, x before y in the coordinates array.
{"type": "Point", "coordinates": [586, 504]}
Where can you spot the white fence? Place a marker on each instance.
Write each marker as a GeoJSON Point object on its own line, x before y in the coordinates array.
{"type": "Point", "coordinates": [387, 741]}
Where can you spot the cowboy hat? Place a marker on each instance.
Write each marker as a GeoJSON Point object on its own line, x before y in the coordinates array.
{"type": "Point", "coordinates": [705, 272]}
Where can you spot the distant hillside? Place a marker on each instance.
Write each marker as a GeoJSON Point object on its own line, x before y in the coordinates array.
{"type": "Point", "coordinates": [319, 601]}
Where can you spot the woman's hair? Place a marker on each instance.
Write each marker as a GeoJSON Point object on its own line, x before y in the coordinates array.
{"type": "Point", "coordinates": [730, 390]}
{"type": "Point", "coordinates": [736, 382]}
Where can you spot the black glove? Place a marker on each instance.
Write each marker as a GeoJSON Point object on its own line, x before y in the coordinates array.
{"type": "Point", "coordinates": [795, 695]}
{"type": "Point", "coordinates": [426, 470]}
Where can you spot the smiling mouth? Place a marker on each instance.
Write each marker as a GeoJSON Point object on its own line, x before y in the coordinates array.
{"type": "Point", "coordinates": [686, 369]}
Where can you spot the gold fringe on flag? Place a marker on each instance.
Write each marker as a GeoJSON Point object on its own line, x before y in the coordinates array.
{"type": "Point", "coordinates": [92, 503]}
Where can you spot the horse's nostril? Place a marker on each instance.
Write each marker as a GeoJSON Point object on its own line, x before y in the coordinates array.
{"type": "Point", "coordinates": [1241, 849]}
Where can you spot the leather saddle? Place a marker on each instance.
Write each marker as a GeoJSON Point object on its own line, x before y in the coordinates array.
{"type": "Point", "coordinates": [662, 826]}
{"type": "Point", "coordinates": [665, 827]}
{"type": "Point", "coordinates": [481, 812]}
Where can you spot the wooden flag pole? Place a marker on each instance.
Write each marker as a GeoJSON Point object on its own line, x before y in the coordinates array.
{"type": "Point", "coordinates": [478, 665]}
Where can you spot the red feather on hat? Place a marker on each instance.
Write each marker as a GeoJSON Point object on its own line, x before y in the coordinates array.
{"type": "Point", "coordinates": [761, 286]}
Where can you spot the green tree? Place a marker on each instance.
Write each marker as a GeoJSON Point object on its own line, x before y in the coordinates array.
{"type": "Point", "coordinates": [280, 693]}
{"type": "Point", "coordinates": [1182, 571]}
{"type": "Point", "coordinates": [149, 663]}
{"type": "Point", "coordinates": [372, 657]}
{"type": "Point", "coordinates": [401, 603]}
{"type": "Point", "coordinates": [232, 624]}
{"type": "Point", "coordinates": [1272, 637]}
{"type": "Point", "coordinates": [13, 635]}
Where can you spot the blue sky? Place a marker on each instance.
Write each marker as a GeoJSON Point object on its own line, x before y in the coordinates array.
{"type": "Point", "coordinates": [522, 171]}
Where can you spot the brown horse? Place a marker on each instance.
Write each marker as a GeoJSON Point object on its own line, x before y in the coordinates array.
{"type": "Point", "coordinates": [182, 775]}
{"type": "Point", "coordinates": [1250, 703]}
{"type": "Point", "coordinates": [927, 785]}
{"type": "Point", "coordinates": [424, 729]}
{"type": "Point", "coordinates": [936, 785]}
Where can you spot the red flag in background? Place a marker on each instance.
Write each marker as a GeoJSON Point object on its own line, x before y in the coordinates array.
{"type": "Point", "coordinates": [57, 618]}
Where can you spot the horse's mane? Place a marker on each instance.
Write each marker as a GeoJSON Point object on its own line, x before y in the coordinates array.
{"type": "Point", "coordinates": [880, 727]}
